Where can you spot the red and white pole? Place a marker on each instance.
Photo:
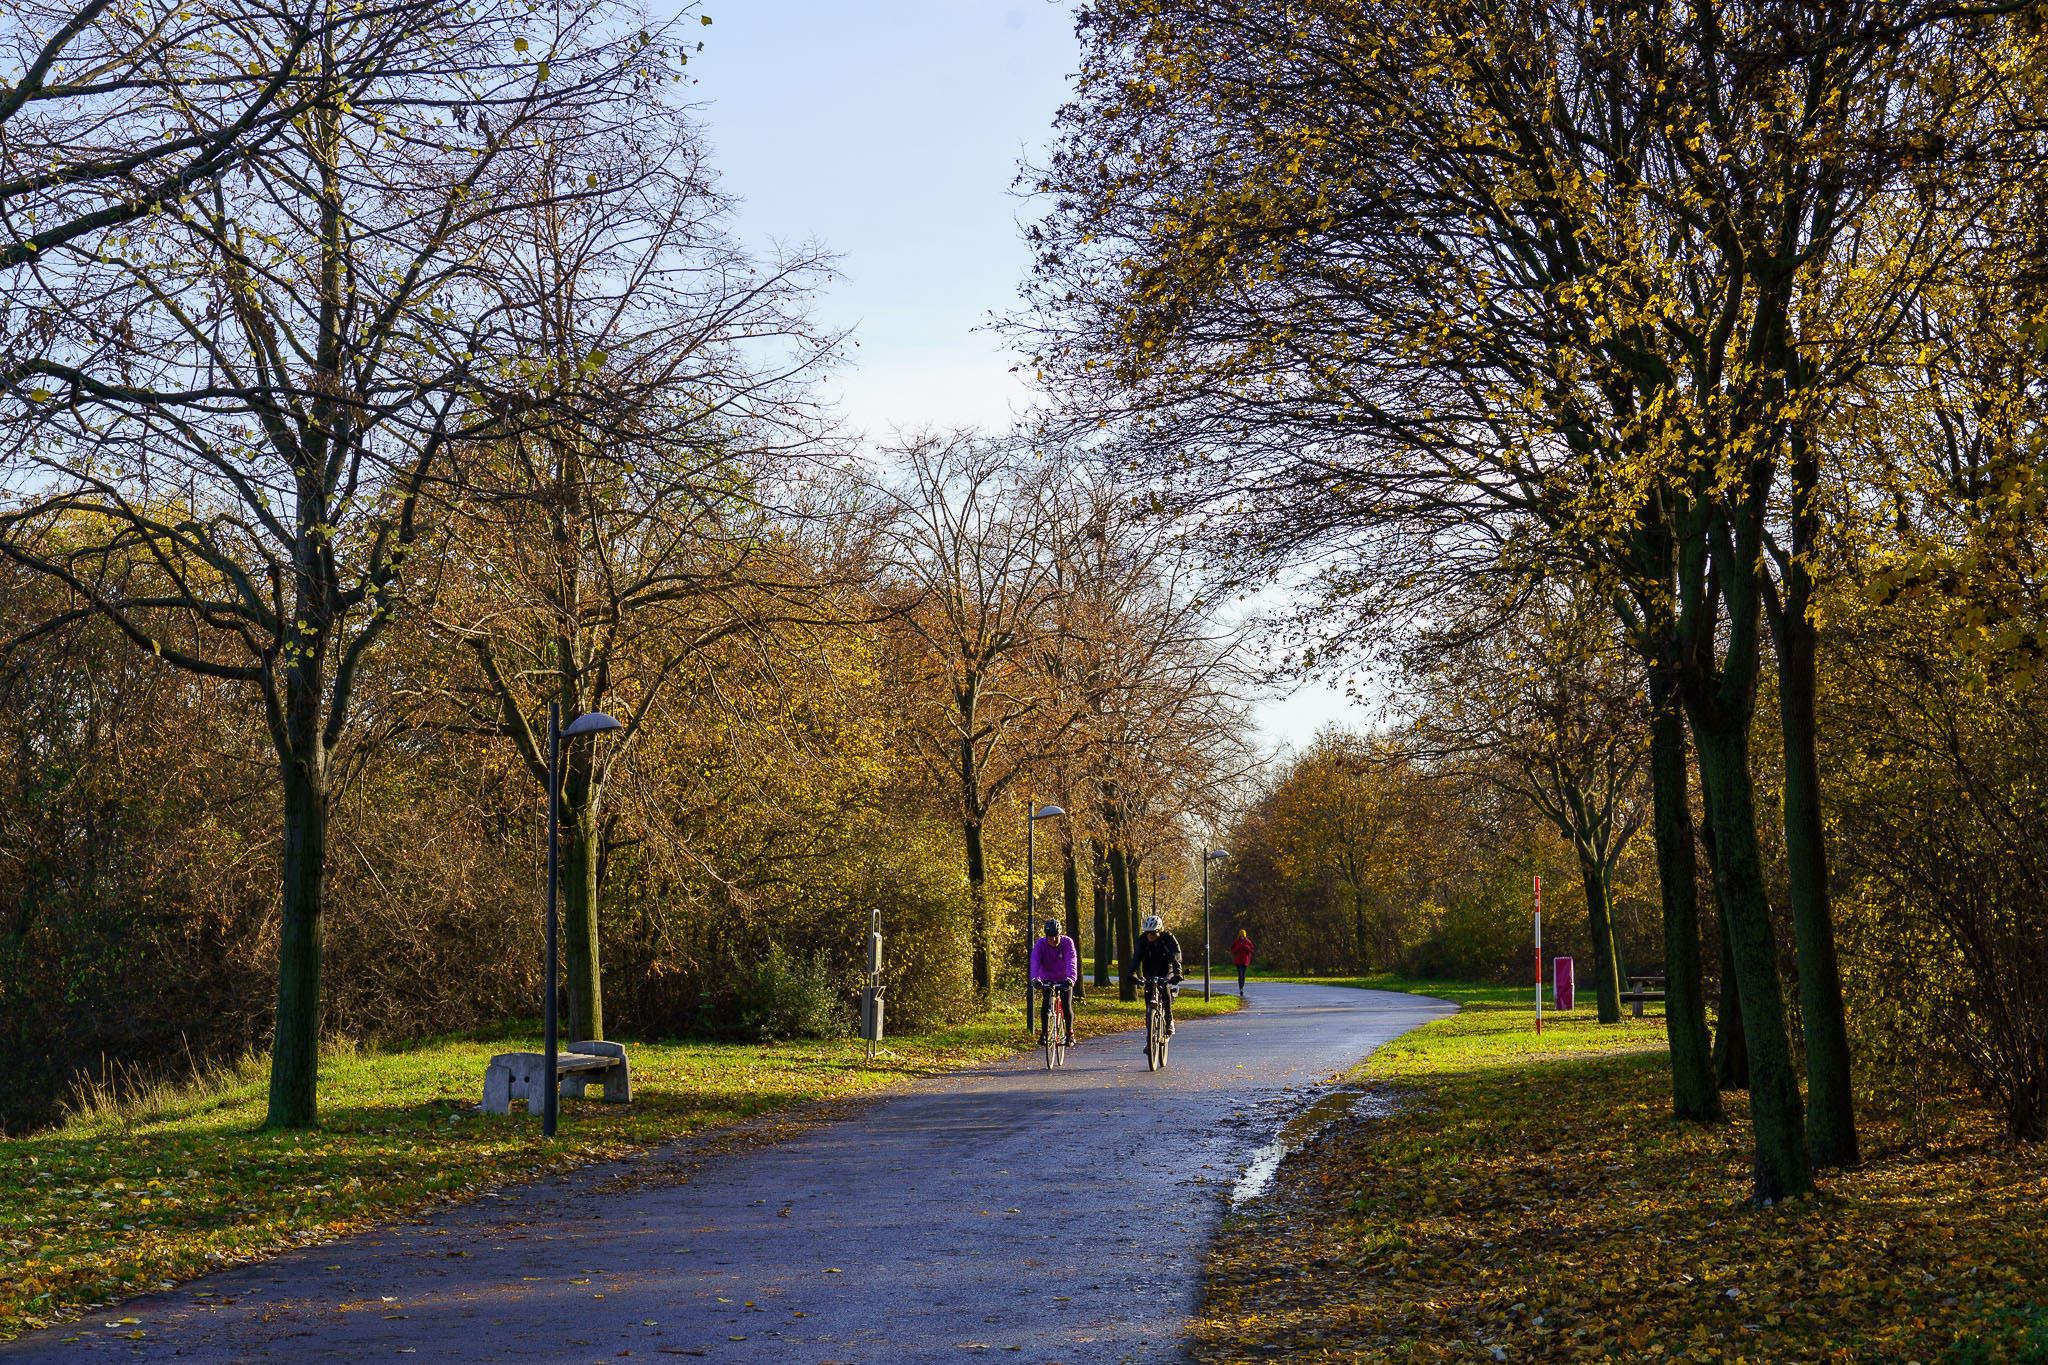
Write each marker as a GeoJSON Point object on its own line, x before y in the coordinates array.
{"type": "Point", "coordinates": [1539, 953]}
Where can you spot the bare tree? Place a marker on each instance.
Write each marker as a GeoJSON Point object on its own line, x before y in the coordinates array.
{"type": "Point", "coordinates": [114, 112]}
{"type": "Point", "coordinates": [1151, 679]}
{"type": "Point", "coordinates": [255, 396]}
{"type": "Point", "coordinates": [619, 520]}
{"type": "Point", "coordinates": [970, 548]}
{"type": "Point", "coordinates": [1541, 684]}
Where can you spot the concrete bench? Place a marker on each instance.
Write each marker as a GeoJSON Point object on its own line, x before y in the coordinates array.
{"type": "Point", "coordinates": [523, 1076]}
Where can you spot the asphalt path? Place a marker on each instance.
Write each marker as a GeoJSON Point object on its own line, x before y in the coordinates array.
{"type": "Point", "coordinates": [1042, 1216]}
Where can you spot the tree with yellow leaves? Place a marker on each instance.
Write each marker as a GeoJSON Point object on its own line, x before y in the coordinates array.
{"type": "Point", "coordinates": [1415, 289]}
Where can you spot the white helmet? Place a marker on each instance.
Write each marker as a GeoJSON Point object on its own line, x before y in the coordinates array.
{"type": "Point", "coordinates": [1152, 922]}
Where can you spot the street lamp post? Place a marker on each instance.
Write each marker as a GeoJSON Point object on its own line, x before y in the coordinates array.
{"type": "Point", "coordinates": [596, 722]}
{"type": "Point", "coordinates": [1208, 856]}
{"type": "Point", "coordinates": [1031, 818]}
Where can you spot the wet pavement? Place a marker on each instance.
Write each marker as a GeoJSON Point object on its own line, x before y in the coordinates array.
{"type": "Point", "coordinates": [1040, 1216]}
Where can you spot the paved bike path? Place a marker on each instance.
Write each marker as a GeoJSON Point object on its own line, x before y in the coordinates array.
{"type": "Point", "coordinates": [1041, 1216]}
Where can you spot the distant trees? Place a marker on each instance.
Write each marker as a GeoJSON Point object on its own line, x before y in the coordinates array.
{"type": "Point", "coordinates": [1381, 853]}
{"type": "Point", "coordinates": [1348, 818]}
{"type": "Point", "coordinates": [1155, 678]}
{"type": "Point", "coordinates": [1048, 632]}
{"type": "Point", "coordinates": [973, 576]}
{"type": "Point", "coordinates": [1541, 687]}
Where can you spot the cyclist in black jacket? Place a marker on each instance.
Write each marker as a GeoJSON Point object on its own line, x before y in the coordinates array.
{"type": "Point", "coordinates": [1157, 953]}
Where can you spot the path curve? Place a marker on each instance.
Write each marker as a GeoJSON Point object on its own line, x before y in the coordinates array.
{"type": "Point", "coordinates": [1040, 1216]}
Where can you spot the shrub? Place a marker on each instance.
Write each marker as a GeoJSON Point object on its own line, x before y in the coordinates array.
{"type": "Point", "coordinates": [1942, 826]}
{"type": "Point", "coordinates": [785, 996]}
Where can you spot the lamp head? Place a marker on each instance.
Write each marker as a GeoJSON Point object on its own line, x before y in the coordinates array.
{"type": "Point", "coordinates": [1216, 853]}
{"type": "Point", "coordinates": [592, 723]}
{"type": "Point", "coordinates": [1046, 812]}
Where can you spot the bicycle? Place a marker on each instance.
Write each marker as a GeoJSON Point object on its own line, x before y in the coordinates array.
{"type": "Point", "coordinates": [1155, 1021]}
{"type": "Point", "coordinates": [1056, 1029]}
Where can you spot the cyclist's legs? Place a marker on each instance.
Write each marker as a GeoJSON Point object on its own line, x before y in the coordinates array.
{"type": "Point", "coordinates": [1066, 994]}
{"type": "Point", "coordinates": [1165, 994]}
{"type": "Point", "coordinates": [1044, 991]}
{"type": "Point", "coordinates": [1240, 981]}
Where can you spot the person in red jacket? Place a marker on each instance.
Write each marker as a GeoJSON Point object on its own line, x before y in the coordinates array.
{"type": "Point", "coordinates": [1241, 954]}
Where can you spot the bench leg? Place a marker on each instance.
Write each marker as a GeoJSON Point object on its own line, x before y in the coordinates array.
{"type": "Point", "coordinates": [497, 1089]}
{"type": "Point", "coordinates": [618, 1083]}
{"type": "Point", "coordinates": [1639, 1007]}
{"type": "Point", "coordinates": [573, 1085]}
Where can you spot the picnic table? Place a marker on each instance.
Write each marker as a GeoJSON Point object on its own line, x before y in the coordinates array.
{"type": "Point", "coordinates": [1641, 988]}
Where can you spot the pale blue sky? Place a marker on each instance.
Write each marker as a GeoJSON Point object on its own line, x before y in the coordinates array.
{"type": "Point", "coordinates": [891, 133]}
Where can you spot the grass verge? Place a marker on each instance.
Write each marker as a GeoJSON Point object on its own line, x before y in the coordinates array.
{"type": "Point", "coordinates": [1534, 1201]}
{"type": "Point", "coordinates": [133, 1196]}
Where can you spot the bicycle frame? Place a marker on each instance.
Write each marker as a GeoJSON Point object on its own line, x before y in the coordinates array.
{"type": "Point", "coordinates": [1155, 1020]}
{"type": "Point", "coordinates": [1058, 1023]}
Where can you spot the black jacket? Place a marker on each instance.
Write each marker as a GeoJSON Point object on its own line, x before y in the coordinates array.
{"type": "Point", "coordinates": [1160, 957]}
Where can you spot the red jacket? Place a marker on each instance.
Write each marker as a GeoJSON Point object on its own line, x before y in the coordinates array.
{"type": "Point", "coordinates": [1241, 952]}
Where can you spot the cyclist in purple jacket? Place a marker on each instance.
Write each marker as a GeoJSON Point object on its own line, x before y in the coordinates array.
{"type": "Point", "coordinates": [1055, 966]}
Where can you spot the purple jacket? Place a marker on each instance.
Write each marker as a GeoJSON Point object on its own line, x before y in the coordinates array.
{"type": "Point", "coordinates": [1055, 959]}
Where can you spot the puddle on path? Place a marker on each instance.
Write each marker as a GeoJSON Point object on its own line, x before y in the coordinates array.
{"type": "Point", "coordinates": [1265, 1164]}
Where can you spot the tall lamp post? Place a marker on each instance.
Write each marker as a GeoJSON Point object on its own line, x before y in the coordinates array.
{"type": "Point", "coordinates": [596, 722]}
{"type": "Point", "coordinates": [1208, 856]}
{"type": "Point", "coordinates": [1032, 817]}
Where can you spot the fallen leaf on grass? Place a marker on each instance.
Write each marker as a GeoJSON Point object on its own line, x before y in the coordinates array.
{"type": "Point", "coordinates": [1602, 1230]}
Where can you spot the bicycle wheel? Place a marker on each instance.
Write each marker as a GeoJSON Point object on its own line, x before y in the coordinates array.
{"type": "Point", "coordinates": [1155, 1052]}
{"type": "Point", "coordinates": [1056, 1037]}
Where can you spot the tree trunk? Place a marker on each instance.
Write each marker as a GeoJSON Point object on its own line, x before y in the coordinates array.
{"type": "Point", "coordinates": [299, 732]}
{"type": "Point", "coordinates": [1600, 920]}
{"type": "Point", "coordinates": [581, 964]}
{"type": "Point", "coordinates": [1070, 891]}
{"type": "Point", "coordinates": [1105, 949]}
{"type": "Point", "coordinates": [1722, 734]}
{"type": "Point", "coordinates": [295, 1046]}
{"type": "Point", "coordinates": [1731, 1049]}
{"type": "Point", "coordinates": [1831, 1117]}
{"type": "Point", "coordinates": [1137, 900]}
{"type": "Point", "coordinates": [1120, 912]}
{"type": "Point", "coordinates": [977, 894]}
{"type": "Point", "coordinates": [1694, 1098]}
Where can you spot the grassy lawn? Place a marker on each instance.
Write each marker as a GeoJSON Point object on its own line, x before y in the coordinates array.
{"type": "Point", "coordinates": [126, 1200]}
{"type": "Point", "coordinates": [1533, 1201]}
{"type": "Point", "coordinates": [1463, 992]}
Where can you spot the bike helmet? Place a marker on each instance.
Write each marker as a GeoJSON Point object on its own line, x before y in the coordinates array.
{"type": "Point", "coordinates": [1152, 923]}
{"type": "Point", "coordinates": [1052, 928]}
